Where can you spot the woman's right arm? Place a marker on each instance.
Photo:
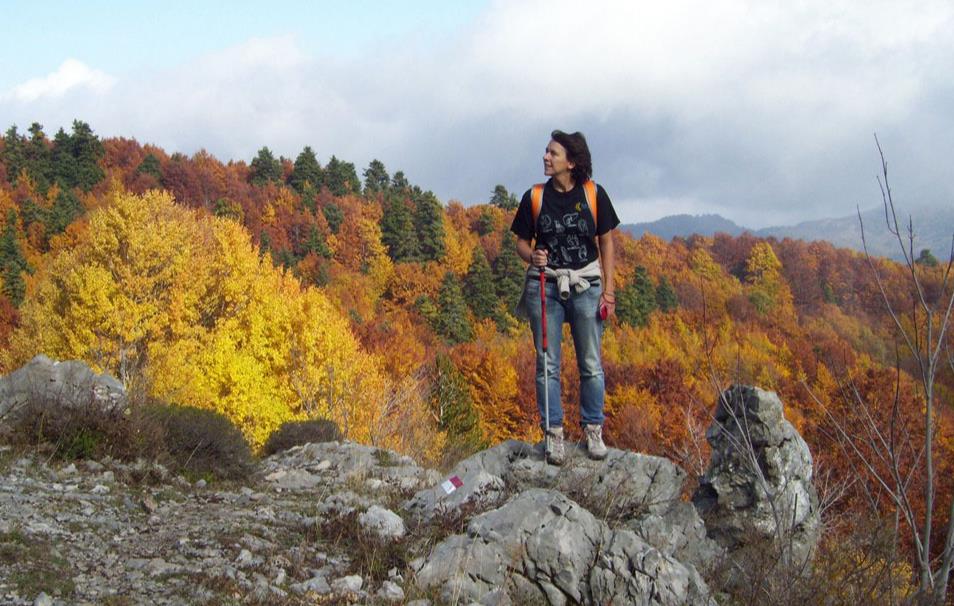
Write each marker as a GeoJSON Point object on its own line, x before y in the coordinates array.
{"type": "Point", "coordinates": [524, 249]}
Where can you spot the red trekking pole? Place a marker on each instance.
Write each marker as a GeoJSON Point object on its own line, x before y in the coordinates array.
{"type": "Point", "coordinates": [546, 382]}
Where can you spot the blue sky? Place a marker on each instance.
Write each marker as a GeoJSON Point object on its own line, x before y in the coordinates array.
{"type": "Point", "coordinates": [758, 110]}
{"type": "Point", "coordinates": [121, 37]}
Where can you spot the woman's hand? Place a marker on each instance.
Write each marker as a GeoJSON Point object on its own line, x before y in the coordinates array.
{"type": "Point", "coordinates": [539, 258]}
{"type": "Point", "coordinates": [608, 300]}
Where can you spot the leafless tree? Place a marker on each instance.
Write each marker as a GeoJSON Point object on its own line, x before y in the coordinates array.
{"type": "Point", "coordinates": [886, 451]}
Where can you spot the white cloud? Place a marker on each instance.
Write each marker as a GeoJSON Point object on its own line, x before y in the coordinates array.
{"type": "Point", "coordinates": [752, 108]}
{"type": "Point", "coordinates": [71, 75]}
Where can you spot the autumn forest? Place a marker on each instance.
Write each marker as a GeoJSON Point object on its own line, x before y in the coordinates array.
{"type": "Point", "coordinates": [280, 289]}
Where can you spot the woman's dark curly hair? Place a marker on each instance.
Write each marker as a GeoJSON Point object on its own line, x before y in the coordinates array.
{"type": "Point", "coordinates": [577, 152]}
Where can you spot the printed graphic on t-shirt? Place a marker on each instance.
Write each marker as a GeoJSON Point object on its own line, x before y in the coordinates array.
{"type": "Point", "coordinates": [565, 238]}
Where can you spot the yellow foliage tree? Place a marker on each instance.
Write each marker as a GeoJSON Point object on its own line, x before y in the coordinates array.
{"type": "Point", "coordinates": [459, 244]}
{"type": "Point", "coordinates": [180, 304]}
{"type": "Point", "coordinates": [767, 290]}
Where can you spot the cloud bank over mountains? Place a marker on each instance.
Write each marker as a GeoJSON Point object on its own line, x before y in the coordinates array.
{"type": "Point", "coordinates": [762, 112]}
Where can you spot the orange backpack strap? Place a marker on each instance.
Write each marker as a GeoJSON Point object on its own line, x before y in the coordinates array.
{"type": "Point", "coordinates": [536, 201]}
{"type": "Point", "coordinates": [589, 188]}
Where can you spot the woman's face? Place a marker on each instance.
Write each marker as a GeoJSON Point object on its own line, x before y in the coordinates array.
{"type": "Point", "coordinates": [555, 162]}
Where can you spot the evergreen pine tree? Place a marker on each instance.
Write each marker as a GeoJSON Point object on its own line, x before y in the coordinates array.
{"type": "Point", "coordinates": [31, 213]}
{"type": "Point", "coordinates": [223, 207]}
{"type": "Point", "coordinates": [926, 258]}
{"type": "Point", "coordinates": [264, 244]}
{"type": "Point", "coordinates": [14, 154]}
{"type": "Point", "coordinates": [637, 300]}
{"type": "Point", "coordinates": [265, 168]}
{"type": "Point", "coordinates": [485, 222]}
{"type": "Point", "coordinates": [87, 152]}
{"type": "Point", "coordinates": [399, 182]}
{"type": "Point", "coordinates": [501, 198]}
{"type": "Point", "coordinates": [39, 161]}
{"type": "Point", "coordinates": [376, 179]}
{"type": "Point", "coordinates": [65, 166]}
{"type": "Point", "coordinates": [150, 166]}
{"type": "Point", "coordinates": [479, 286]}
{"type": "Point", "coordinates": [452, 404]}
{"type": "Point", "coordinates": [333, 216]}
{"type": "Point", "coordinates": [397, 232]}
{"type": "Point", "coordinates": [12, 262]}
{"type": "Point", "coordinates": [306, 172]}
{"type": "Point", "coordinates": [429, 225]}
{"type": "Point", "coordinates": [509, 272]}
{"type": "Point", "coordinates": [317, 244]}
{"type": "Point", "coordinates": [66, 208]}
{"type": "Point", "coordinates": [666, 296]}
{"type": "Point", "coordinates": [451, 321]}
{"type": "Point", "coordinates": [341, 178]}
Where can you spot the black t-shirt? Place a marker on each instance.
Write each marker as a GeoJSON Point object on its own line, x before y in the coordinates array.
{"type": "Point", "coordinates": [565, 225]}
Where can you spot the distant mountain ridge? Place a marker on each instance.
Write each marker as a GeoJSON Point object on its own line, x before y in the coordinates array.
{"type": "Point", "coordinates": [933, 228]}
{"type": "Point", "coordinates": [684, 226]}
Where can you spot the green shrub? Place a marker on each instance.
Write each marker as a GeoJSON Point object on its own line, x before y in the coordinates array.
{"type": "Point", "coordinates": [296, 433]}
{"type": "Point", "coordinates": [191, 440]}
{"type": "Point", "coordinates": [202, 442]}
{"type": "Point", "coordinates": [74, 431]}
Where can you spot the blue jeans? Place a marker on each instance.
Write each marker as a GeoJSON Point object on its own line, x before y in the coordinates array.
{"type": "Point", "coordinates": [580, 312]}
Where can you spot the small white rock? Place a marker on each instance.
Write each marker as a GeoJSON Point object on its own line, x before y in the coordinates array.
{"type": "Point", "coordinates": [384, 522]}
{"type": "Point", "coordinates": [317, 584]}
{"type": "Point", "coordinates": [244, 558]}
{"type": "Point", "coordinates": [349, 584]}
{"type": "Point", "coordinates": [43, 600]}
{"type": "Point", "coordinates": [100, 489]}
{"type": "Point", "coordinates": [391, 592]}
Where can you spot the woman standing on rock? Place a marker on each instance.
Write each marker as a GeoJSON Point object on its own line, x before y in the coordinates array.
{"type": "Point", "coordinates": [563, 230]}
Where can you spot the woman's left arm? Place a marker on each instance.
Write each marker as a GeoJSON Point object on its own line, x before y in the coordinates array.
{"type": "Point", "coordinates": [608, 263]}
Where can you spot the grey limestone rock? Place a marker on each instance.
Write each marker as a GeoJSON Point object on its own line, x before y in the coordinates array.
{"type": "Point", "coordinates": [481, 477]}
{"type": "Point", "coordinates": [383, 522]}
{"type": "Point", "coordinates": [543, 547]}
{"type": "Point", "coordinates": [317, 584]}
{"type": "Point", "coordinates": [390, 592]}
{"type": "Point", "coordinates": [626, 488]}
{"type": "Point", "coordinates": [70, 384]}
{"type": "Point", "coordinates": [759, 483]}
{"type": "Point", "coordinates": [348, 584]}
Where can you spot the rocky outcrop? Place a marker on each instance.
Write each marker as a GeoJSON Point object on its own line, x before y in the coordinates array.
{"type": "Point", "coordinates": [626, 485]}
{"type": "Point", "coordinates": [541, 547]}
{"type": "Point", "coordinates": [503, 527]}
{"type": "Point", "coordinates": [758, 487]}
{"type": "Point", "coordinates": [590, 532]}
{"type": "Point", "coordinates": [43, 381]}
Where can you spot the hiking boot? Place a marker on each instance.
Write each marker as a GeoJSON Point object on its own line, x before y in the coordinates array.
{"type": "Point", "coordinates": [556, 455]}
{"type": "Point", "coordinates": [594, 441]}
